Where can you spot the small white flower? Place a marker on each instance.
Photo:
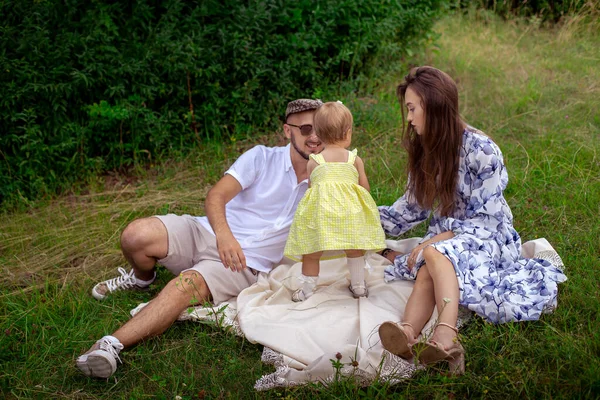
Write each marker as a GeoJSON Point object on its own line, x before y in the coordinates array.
{"type": "Point", "coordinates": [446, 300]}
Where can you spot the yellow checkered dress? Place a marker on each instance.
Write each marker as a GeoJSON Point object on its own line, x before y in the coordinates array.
{"type": "Point", "coordinates": [336, 213]}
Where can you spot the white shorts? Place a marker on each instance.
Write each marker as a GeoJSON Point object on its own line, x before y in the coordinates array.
{"type": "Point", "coordinates": [192, 247]}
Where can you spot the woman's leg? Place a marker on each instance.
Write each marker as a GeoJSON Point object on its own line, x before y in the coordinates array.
{"type": "Point", "coordinates": [399, 338]}
{"type": "Point", "coordinates": [420, 304]}
{"type": "Point", "coordinates": [445, 287]}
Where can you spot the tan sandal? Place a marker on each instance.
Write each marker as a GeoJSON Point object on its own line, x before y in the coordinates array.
{"type": "Point", "coordinates": [434, 352]}
{"type": "Point", "coordinates": [395, 340]}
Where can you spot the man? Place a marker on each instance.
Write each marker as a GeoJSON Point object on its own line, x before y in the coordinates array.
{"type": "Point", "coordinates": [248, 215]}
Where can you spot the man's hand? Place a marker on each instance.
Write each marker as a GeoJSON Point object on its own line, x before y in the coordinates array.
{"type": "Point", "coordinates": [231, 253]}
{"type": "Point", "coordinates": [390, 254]}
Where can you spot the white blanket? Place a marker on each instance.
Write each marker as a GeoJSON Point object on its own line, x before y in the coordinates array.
{"type": "Point", "coordinates": [302, 339]}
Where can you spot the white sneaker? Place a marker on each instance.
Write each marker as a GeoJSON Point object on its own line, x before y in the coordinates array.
{"type": "Point", "coordinates": [127, 281]}
{"type": "Point", "coordinates": [101, 360]}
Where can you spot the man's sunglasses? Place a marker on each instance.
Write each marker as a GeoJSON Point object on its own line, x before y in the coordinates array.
{"type": "Point", "coordinates": [305, 130]}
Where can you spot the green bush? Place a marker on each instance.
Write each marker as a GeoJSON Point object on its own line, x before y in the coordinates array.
{"type": "Point", "coordinates": [91, 86]}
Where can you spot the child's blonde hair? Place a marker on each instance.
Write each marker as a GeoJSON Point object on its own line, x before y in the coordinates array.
{"type": "Point", "coordinates": [332, 122]}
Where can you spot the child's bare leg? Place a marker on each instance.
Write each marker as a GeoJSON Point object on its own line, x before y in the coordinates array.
{"type": "Point", "coordinates": [310, 274]}
{"type": "Point", "coordinates": [310, 263]}
{"type": "Point", "coordinates": [356, 265]}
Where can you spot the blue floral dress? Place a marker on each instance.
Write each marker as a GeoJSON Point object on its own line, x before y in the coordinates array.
{"type": "Point", "coordinates": [494, 280]}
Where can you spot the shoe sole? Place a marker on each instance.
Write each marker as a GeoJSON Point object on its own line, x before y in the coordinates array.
{"type": "Point", "coordinates": [454, 356]}
{"type": "Point", "coordinates": [99, 296]}
{"type": "Point", "coordinates": [394, 340]}
{"type": "Point", "coordinates": [97, 366]}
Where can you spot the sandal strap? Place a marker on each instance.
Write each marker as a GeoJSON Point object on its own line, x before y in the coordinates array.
{"type": "Point", "coordinates": [455, 329]}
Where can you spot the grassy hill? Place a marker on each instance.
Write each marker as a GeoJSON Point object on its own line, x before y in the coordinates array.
{"type": "Point", "coordinates": [534, 89]}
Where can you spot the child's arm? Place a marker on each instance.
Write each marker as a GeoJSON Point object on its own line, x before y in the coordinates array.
{"type": "Point", "coordinates": [362, 176]}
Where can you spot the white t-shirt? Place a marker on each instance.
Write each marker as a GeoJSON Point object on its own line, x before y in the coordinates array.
{"type": "Point", "coordinates": [261, 214]}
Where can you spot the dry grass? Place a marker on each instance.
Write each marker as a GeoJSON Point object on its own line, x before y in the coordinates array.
{"type": "Point", "coordinates": [77, 236]}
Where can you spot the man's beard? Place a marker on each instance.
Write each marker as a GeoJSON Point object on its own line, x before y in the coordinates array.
{"type": "Point", "coordinates": [302, 153]}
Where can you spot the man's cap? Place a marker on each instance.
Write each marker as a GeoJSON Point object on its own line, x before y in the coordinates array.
{"type": "Point", "coordinates": [302, 105]}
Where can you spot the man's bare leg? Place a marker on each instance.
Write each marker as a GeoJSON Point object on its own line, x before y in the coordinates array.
{"type": "Point", "coordinates": [180, 293]}
{"type": "Point", "coordinates": [143, 242]}
{"type": "Point", "coordinates": [189, 288]}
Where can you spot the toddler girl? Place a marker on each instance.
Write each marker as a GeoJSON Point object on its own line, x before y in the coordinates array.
{"type": "Point", "coordinates": [337, 212]}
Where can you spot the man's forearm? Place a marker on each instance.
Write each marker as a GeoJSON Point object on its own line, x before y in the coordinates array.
{"type": "Point", "coordinates": [214, 207]}
{"type": "Point", "coordinates": [216, 199]}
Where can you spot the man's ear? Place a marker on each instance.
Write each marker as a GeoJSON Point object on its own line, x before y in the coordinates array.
{"type": "Point", "coordinates": [287, 131]}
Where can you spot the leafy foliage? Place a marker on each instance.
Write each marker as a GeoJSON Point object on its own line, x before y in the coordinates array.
{"type": "Point", "coordinates": [96, 86]}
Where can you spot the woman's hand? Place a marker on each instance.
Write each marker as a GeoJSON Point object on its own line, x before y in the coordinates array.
{"type": "Point", "coordinates": [412, 258]}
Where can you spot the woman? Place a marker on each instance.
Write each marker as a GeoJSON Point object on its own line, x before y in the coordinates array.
{"type": "Point", "coordinates": [471, 253]}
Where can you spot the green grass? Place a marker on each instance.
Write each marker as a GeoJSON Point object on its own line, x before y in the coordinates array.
{"type": "Point", "coordinates": [535, 90]}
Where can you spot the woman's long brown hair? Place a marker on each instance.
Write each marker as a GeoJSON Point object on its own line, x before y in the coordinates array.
{"type": "Point", "coordinates": [433, 156]}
